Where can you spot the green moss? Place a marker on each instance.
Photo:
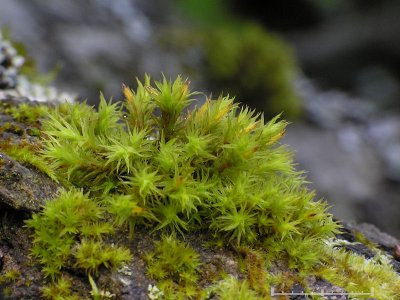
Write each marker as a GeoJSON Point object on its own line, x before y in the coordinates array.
{"type": "Point", "coordinates": [360, 275]}
{"type": "Point", "coordinates": [173, 259]}
{"type": "Point", "coordinates": [7, 292]}
{"type": "Point", "coordinates": [219, 167]}
{"type": "Point", "coordinates": [25, 112]}
{"type": "Point", "coordinates": [12, 128]}
{"type": "Point", "coordinates": [231, 288]}
{"type": "Point", "coordinates": [256, 268]}
{"type": "Point", "coordinates": [10, 276]}
{"type": "Point", "coordinates": [6, 279]}
{"type": "Point", "coordinates": [27, 153]}
{"type": "Point", "coordinates": [69, 233]}
{"type": "Point", "coordinates": [241, 58]}
{"type": "Point", "coordinates": [361, 238]}
{"type": "Point", "coordinates": [28, 113]}
{"type": "Point", "coordinates": [255, 65]}
{"type": "Point", "coordinates": [150, 162]}
{"type": "Point", "coordinates": [175, 266]}
{"type": "Point", "coordinates": [61, 289]}
{"type": "Point", "coordinates": [26, 124]}
{"type": "Point", "coordinates": [204, 12]}
{"type": "Point", "coordinates": [245, 60]}
{"type": "Point", "coordinates": [219, 164]}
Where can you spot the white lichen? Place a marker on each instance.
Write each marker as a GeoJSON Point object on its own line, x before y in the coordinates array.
{"type": "Point", "coordinates": [154, 292]}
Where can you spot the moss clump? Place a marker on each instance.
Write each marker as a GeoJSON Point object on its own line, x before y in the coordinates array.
{"type": "Point", "coordinates": [28, 113]}
{"type": "Point", "coordinates": [20, 136]}
{"type": "Point", "coordinates": [256, 267]}
{"type": "Point", "coordinates": [9, 276]}
{"type": "Point", "coordinates": [255, 65]}
{"type": "Point", "coordinates": [231, 288]}
{"type": "Point", "coordinates": [69, 233]}
{"type": "Point", "coordinates": [218, 167]}
{"type": "Point", "coordinates": [60, 289]}
{"type": "Point", "coordinates": [150, 162]}
{"type": "Point", "coordinates": [175, 266]}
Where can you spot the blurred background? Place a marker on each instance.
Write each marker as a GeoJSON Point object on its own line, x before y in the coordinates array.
{"type": "Point", "coordinates": [332, 67]}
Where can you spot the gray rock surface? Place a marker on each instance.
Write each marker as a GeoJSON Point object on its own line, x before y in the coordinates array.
{"type": "Point", "coordinates": [99, 44]}
{"type": "Point", "coordinates": [350, 148]}
{"type": "Point", "coordinates": [24, 188]}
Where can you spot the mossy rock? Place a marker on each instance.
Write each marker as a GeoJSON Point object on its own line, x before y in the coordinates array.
{"type": "Point", "coordinates": [159, 202]}
{"type": "Point", "coordinates": [22, 185]}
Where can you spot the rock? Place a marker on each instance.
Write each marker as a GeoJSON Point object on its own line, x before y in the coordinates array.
{"type": "Point", "coordinates": [330, 109]}
{"type": "Point", "coordinates": [340, 175]}
{"type": "Point", "coordinates": [13, 84]}
{"type": "Point", "coordinates": [23, 188]}
{"type": "Point", "coordinates": [374, 234]}
{"type": "Point", "coordinates": [351, 149]}
{"type": "Point", "coordinates": [10, 64]}
{"type": "Point", "coordinates": [357, 49]}
{"type": "Point", "coordinates": [111, 44]}
{"type": "Point", "coordinates": [384, 134]}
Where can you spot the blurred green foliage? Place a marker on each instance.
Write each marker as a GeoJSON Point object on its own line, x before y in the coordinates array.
{"type": "Point", "coordinates": [330, 7]}
{"type": "Point", "coordinates": [205, 12]}
{"type": "Point", "coordinates": [242, 58]}
{"type": "Point", "coordinates": [255, 65]}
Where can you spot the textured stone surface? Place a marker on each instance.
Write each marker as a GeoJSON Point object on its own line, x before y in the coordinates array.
{"type": "Point", "coordinates": [23, 188]}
